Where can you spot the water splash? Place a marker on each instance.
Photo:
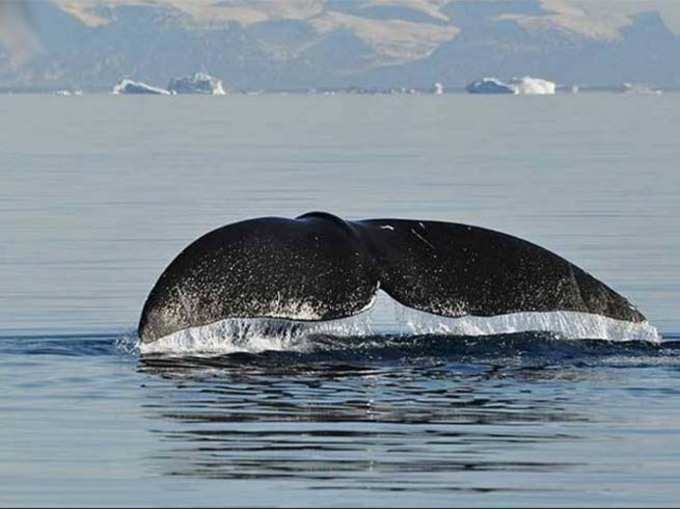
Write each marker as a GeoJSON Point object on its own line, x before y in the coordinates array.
{"type": "Point", "coordinates": [385, 318]}
{"type": "Point", "coordinates": [563, 324]}
{"type": "Point", "coordinates": [254, 335]}
{"type": "Point", "coordinates": [127, 343]}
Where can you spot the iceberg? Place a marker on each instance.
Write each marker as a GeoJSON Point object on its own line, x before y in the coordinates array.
{"type": "Point", "coordinates": [490, 86]}
{"type": "Point", "coordinates": [533, 86]}
{"type": "Point", "coordinates": [137, 87]}
{"type": "Point", "coordinates": [638, 88]}
{"type": "Point", "coordinates": [516, 86]}
{"type": "Point", "coordinates": [199, 83]}
{"type": "Point", "coordinates": [67, 92]}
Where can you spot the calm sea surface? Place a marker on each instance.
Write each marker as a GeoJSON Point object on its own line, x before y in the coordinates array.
{"type": "Point", "coordinates": [99, 193]}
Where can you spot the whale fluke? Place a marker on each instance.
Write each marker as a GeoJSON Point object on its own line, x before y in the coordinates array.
{"type": "Point", "coordinates": [320, 267]}
{"type": "Point", "coordinates": [455, 270]}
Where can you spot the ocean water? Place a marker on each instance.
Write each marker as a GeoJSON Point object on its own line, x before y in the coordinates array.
{"type": "Point", "coordinates": [99, 193]}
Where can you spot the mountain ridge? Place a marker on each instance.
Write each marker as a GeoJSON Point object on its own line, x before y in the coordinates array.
{"type": "Point", "coordinates": [291, 44]}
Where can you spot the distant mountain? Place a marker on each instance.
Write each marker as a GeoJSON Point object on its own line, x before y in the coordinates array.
{"type": "Point", "coordinates": [287, 44]}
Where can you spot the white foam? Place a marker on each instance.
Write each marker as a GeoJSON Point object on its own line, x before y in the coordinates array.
{"type": "Point", "coordinates": [386, 316]}
{"type": "Point", "coordinates": [565, 324]}
{"type": "Point", "coordinates": [255, 335]}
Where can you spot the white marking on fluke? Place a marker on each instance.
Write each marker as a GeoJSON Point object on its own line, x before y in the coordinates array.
{"type": "Point", "coordinates": [422, 238]}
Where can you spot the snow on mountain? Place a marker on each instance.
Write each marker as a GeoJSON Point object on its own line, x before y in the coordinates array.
{"type": "Point", "coordinates": [275, 44]}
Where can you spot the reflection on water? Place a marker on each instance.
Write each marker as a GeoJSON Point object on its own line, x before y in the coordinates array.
{"type": "Point", "coordinates": [512, 419]}
{"type": "Point", "coordinates": [347, 423]}
{"type": "Point", "coordinates": [405, 420]}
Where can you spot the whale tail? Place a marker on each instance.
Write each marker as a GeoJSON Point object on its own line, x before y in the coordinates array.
{"type": "Point", "coordinates": [320, 267]}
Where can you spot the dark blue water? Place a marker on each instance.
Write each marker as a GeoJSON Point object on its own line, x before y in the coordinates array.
{"type": "Point", "coordinates": [99, 193]}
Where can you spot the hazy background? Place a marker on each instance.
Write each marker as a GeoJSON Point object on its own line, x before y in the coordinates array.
{"type": "Point", "coordinates": [289, 44]}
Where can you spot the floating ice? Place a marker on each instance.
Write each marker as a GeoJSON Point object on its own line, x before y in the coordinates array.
{"type": "Point", "coordinates": [533, 86]}
{"type": "Point", "coordinates": [199, 83]}
{"type": "Point", "coordinates": [67, 93]}
{"type": "Point", "coordinates": [640, 89]}
{"type": "Point", "coordinates": [517, 86]}
{"type": "Point", "coordinates": [490, 86]}
{"type": "Point", "coordinates": [137, 87]}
